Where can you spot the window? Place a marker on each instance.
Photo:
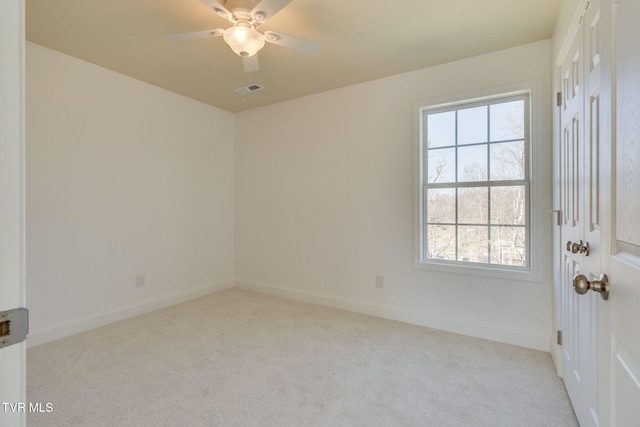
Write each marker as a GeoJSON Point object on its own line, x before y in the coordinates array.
{"type": "Point", "coordinates": [474, 183]}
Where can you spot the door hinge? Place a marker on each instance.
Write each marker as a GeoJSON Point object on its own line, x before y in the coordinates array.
{"type": "Point", "coordinates": [14, 326]}
{"type": "Point", "coordinates": [559, 337]}
{"type": "Point", "coordinates": [559, 99]}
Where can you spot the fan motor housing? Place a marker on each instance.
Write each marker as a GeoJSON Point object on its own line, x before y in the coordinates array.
{"type": "Point", "coordinates": [241, 8]}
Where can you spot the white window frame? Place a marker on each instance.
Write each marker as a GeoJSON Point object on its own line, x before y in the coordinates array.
{"type": "Point", "coordinates": [530, 272]}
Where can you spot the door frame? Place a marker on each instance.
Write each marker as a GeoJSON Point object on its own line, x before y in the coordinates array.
{"type": "Point", "coordinates": [12, 260]}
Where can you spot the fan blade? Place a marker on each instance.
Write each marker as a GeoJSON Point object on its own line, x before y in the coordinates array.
{"type": "Point", "coordinates": [195, 35]}
{"type": "Point", "coordinates": [306, 46]}
{"type": "Point", "coordinates": [266, 9]}
{"type": "Point", "coordinates": [251, 63]}
{"type": "Point", "coordinates": [218, 8]}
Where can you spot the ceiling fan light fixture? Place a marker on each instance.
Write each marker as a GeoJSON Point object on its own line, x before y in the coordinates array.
{"type": "Point", "coordinates": [243, 39]}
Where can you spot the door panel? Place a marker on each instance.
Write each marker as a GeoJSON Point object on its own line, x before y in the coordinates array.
{"type": "Point", "coordinates": [625, 261]}
{"type": "Point", "coordinates": [601, 349]}
{"type": "Point", "coordinates": [593, 358]}
{"type": "Point", "coordinates": [579, 192]}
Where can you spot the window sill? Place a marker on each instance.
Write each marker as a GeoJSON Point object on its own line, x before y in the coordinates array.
{"type": "Point", "coordinates": [523, 274]}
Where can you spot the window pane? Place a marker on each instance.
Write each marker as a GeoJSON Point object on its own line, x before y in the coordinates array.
{"type": "Point", "coordinates": [441, 129]}
{"type": "Point", "coordinates": [441, 165]}
{"type": "Point", "coordinates": [472, 163]}
{"type": "Point", "coordinates": [441, 205]}
{"type": "Point", "coordinates": [472, 125]}
{"type": "Point", "coordinates": [507, 161]}
{"type": "Point", "coordinates": [507, 121]}
{"type": "Point", "coordinates": [508, 205]}
{"type": "Point", "coordinates": [508, 246]}
{"type": "Point", "coordinates": [473, 206]}
{"type": "Point", "coordinates": [441, 242]}
{"type": "Point", "coordinates": [470, 213]}
{"type": "Point", "coordinates": [472, 245]}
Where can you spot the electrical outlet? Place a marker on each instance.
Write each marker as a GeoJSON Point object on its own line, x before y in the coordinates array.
{"type": "Point", "coordinates": [140, 280]}
{"type": "Point", "coordinates": [379, 281]}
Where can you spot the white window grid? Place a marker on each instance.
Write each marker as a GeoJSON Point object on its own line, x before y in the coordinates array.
{"type": "Point", "coordinates": [488, 183]}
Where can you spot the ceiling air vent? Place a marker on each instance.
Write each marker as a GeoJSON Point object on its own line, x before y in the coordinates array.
{"type": "Point", "coordinates": [247, 89]}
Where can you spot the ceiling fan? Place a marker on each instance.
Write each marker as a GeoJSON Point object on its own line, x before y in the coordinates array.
{"type": "Point", "coordinates": [243, 37]}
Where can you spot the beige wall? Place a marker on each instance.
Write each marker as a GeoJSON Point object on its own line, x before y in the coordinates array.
{"type": "Point", "coordinates": [324, 203]}
{"type": "Point", "coordinates": [122, 179]}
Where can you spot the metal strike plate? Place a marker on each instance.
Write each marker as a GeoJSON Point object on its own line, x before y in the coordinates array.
{"type": "Point", "coordinates": [14, 326]}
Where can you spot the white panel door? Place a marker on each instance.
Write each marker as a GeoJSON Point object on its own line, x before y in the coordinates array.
{"type": "Point", "coordinates": [580, 116]}
{"type": "Point", "coordinates": [12, 359]}
{"type": "Point", "coordinates": [624, 274]}
{"type": "Point", "coordinates": [600, 195]}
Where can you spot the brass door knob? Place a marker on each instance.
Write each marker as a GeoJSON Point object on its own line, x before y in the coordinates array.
{"type": "Point", "coordinates": [582, 285]}
{"type": "Point", "coordinates": [575, 248]}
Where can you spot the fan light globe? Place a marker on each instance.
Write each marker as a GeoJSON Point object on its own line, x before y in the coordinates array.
{"type": "Point", "coordinates": [244, 40]}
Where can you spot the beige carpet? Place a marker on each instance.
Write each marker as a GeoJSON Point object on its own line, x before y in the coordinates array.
{"type": "Point", "coordinates": [239, 358]}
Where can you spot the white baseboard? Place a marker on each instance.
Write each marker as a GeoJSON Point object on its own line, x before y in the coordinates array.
{"type": "Point", "coordinates": [479, 330]}
{"type": "Point", "coordinates": [65, 329]}
{"type": "Point", "coordinates": [486, 331]}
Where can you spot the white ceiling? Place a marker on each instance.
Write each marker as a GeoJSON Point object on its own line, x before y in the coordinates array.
{"type": "Point", "coordinates": [363, 40]}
